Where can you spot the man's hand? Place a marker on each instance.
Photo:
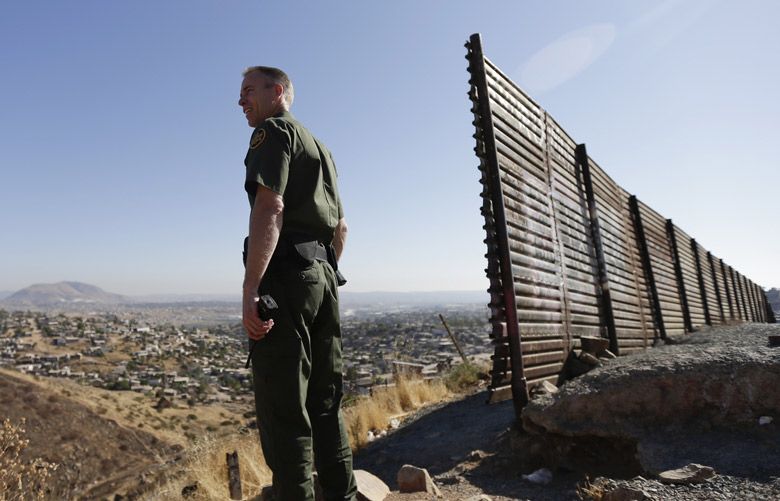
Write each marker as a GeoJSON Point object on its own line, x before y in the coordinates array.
{"type": "Point", "coordinates": [265, 224]}
{"type": "Point", "coordinates": [256, 327]}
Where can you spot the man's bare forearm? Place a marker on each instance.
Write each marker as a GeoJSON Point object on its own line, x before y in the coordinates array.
{"type": "Point", "coordinates": [340, 237]}
{"type": "Point", "coordinates": [265, 224]}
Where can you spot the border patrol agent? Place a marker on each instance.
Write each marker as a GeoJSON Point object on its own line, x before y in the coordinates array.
{"type": "Point", "coordinates": [296, 234]}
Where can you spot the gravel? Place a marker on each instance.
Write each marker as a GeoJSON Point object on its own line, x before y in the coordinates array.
{"type": "Point", "coordinates": [467, 446]}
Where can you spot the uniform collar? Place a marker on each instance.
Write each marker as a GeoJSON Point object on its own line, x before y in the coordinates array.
{"type": "Point", "coordinates": [284, 114]}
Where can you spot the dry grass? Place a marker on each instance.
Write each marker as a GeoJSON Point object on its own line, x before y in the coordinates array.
{"type": "Point", "coordinates": [205, 462]}
{"type": "Point", "coordinates": [20, 479]}
{"type": "Point", "coordinates": [375, 412]}
{"type": "Point", "coordinates": [133, 410]}
{"type": "Point", "coordinates": [589, 491]}
{"type": "Point", "coordinates": [205, 465]}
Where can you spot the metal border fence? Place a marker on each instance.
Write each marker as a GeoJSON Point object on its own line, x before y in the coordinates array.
{"type": "Point", "coordinates": [571, 253]}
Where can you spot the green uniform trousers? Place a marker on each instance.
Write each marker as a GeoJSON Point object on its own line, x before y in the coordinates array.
{"type": "Point", "coordinates": [298, 385]}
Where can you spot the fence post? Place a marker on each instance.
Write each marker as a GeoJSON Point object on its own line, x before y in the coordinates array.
{"type": "Point", "coordinates": [234, 475]}
{"type": "Point", "coordinates": [738, 285]}
{"type": "Point", "coordinates": [717, 287]}
{"type": "Point", "coordinates": [647, 265]}
{"type": "Point", "coordinates": [454, 341]}
{"type": "Point", "coordinates": [700, 276]}
{"type": "Point", "coordinates": [477, 65]}
{"type": "Point", "coordinates": [583, 166]}
{"type": "Point", "coordinates": [679, 275]}
{"type": "Point", "coordinates": [735, 293]}
{"type": "Point", "coordinates": [755, 301]}
{"type": "Point", "coordinates": [743, 296]}
{"type": "Point", "coordinates": [750, 299]}
{"type": "Point", "coordinates": [726, 287]}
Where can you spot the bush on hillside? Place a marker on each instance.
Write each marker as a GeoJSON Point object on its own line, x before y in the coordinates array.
{"type": "Point", "coordinates": [19, 478]}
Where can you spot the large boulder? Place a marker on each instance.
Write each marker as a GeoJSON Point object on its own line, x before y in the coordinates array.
{"type": "Point", "coordinates": [665, 407]}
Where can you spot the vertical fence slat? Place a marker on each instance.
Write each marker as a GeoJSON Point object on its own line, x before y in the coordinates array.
{"type": "Point", "coordinates": [647, 266]}
{"type": "Point", "coordinates": [718, 298]}
{"type": "Point", "coordinates": [700, 277]}
{"type": "Point", "coordinates": [583, 166]}
{"type": "Point", "coordinates": [726, 286]}
{"type": "Point", "coordinates": [556, 233]}
{"type": "Point", "coordinates": [477, 62]}
{"type": "Point", "coordinates": [679, 275]}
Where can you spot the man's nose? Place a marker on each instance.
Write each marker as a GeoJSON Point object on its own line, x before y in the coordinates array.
{"type": "Point", "coordinates": [241, 101]}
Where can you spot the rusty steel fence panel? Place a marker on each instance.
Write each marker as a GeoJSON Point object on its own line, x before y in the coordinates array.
{"type": "Point", "coordinates": [696, 301]}
{"type": "Point", "coordinates": [662, 263]}
{"type": "Point", "coordinates": [570, 253]}
{"type": "Point", "coordinates": [580, 268]}
{"type": "Point", "coordinates": [723, 287]}
{"type": "Point", "coordinates": [712, 294]}
{"type": "Point", "coordinates": [630, 298]}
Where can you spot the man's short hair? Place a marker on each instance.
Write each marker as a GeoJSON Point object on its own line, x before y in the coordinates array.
{"type": "Point", "coordinates": [277, 76]}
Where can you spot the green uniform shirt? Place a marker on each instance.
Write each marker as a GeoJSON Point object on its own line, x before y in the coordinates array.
{"type": "Point", "coordinates": [284, 157]}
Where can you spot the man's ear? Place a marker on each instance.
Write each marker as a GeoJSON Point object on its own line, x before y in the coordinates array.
{"type": "Point", "coordinates": [278, 90]}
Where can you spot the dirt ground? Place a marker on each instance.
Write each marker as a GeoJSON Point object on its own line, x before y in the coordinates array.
{"type": "Point", "coordinates": [465, 446]}
{"type": "Point", "coordinates": [471, 449]}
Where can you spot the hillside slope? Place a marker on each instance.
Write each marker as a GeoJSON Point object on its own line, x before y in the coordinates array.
{"type": "Point", "coordinates": [95, 456]}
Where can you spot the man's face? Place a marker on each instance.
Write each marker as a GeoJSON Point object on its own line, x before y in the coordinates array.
{"type": "Point", "coordinates": [260, 98]}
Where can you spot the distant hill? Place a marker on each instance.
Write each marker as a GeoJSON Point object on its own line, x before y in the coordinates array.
{"type": "Point", "coordinates": [62, 293]}
{"type": "Point", "coordinates": [5, 294]}
{"type": "Point", "coordinates": [773, 296]}
{"type": "Point", "coordinates": [70, 295]}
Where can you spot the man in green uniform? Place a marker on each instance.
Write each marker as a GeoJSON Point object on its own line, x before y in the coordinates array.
{"type": "Point", "coordinates": [296, 221]}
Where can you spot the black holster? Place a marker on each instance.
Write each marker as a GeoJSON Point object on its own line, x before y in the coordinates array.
{"type": "Point", "coordinates": [334, 263]}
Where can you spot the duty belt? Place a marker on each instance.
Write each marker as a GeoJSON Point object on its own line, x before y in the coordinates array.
{"type": "Point", "coordinates": [305, 252]}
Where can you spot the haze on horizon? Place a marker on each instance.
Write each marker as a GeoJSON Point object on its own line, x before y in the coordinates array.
{"type": "Point", "coordinates": [122, 143]}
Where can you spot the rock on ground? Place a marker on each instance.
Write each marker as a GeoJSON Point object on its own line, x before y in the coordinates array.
{"type": "Point", "coordinates": [698, 400]}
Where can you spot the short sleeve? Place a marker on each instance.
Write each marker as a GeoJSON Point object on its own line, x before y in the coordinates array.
{"type": "Point", "coordinates": [268, 159]}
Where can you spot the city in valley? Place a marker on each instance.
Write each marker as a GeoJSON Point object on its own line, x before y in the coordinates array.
{"type": "Point", "coordinates": [194, 355]}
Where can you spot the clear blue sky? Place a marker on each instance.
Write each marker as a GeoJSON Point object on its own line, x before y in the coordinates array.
{"type": "Point", "coordinates": [122, 146]}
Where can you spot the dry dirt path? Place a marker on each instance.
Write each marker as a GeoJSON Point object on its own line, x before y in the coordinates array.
{"type": "Point", "coordinates": [465, 446]}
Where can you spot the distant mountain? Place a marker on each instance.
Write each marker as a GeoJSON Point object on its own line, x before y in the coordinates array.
{"type": "Point", "coordinates": [773, 296]}
{"type": "Point", "coordinates": [5, 294]}
{"type": "Point", "coordinates": [62, 293]}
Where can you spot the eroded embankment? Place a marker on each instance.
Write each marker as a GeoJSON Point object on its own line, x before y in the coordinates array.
{"type": "Point", "coordinates": [698, 400]}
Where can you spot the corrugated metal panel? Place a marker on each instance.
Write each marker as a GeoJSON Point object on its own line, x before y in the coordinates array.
{"type": "Point", "coordinates": [663, 269]}
{"type": "Point", "coordinates": [713, 297]}
{"type": "Point", "coordinates": [723, 287]}
{"type": "Point", "coordinates": [535, 236]}
{"type": "Point", "coordinates": [690, 277]}
{"type": "Point", "coordinates": [571, 253]}
{"type": "Point", "coordinates": [631, 303]}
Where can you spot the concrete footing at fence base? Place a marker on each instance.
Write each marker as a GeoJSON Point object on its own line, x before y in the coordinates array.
{"type": "Point", "coordinates": [698, 401]}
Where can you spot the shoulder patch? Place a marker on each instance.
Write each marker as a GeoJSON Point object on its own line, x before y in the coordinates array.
{"type": "Point", "coordinates": [258, 137]}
